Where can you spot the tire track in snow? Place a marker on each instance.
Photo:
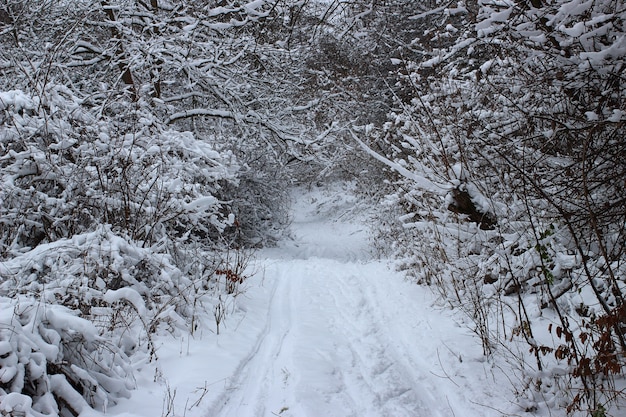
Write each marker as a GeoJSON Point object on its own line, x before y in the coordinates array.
{"type": "Point", "coordinates": [325, 352]}
{"type": "Point", "coordinates": [401, 354]}
{"type": "Point", "coordinates": [248, 389]}
{"type": "Point", "coordinates": [378, 373]}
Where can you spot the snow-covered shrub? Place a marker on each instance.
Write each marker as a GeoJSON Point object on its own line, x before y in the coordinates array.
{"type": "Point", "coordinates": [50, 359]}
{"type": "Point", "coordinates": [510, 161]}
{"type": "Point", "coordinates": [107, 297]}
{"type": "Point", "coordinates": [64, 171]}
{"type": "Point", "coordinates": [260, 205]}
{"type": "Point", "coordinates": [101, 215]}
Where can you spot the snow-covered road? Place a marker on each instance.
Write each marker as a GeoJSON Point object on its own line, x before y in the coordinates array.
{"type": "Point", "coordinates": [326, 330]}
{"type": "Point", "coordinates": [333, 346]}
{"type": "Point", "coordinates": [344, 335]}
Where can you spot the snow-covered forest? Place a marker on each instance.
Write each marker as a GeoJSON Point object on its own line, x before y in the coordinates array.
{"type": "Point", "coordinates": [149, 152]}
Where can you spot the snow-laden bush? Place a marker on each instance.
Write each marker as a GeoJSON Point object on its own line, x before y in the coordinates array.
{"type": "Point", "coordinates": [510, 161]}
{"type": "Point", "coordinates": [65, 170]}
{"type": "Point", "coordinates": [153, 286]}
{"type": "Point", "coordinates": [50, 359]}
{"type": "Point", "coordinates": [110, 231]}
{"type": "Point", "coordinates": [106, 297]}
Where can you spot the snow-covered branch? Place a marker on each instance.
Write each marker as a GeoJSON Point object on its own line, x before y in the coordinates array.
{"type": "Point", "coordinates": [419, 180]}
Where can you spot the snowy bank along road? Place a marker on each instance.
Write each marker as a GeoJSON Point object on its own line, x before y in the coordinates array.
{"type": "Point", "coordinates": [324, 330]}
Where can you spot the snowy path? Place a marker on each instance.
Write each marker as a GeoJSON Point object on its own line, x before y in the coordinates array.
{"type": "Point", "coordinates": [328, 349]}
{"type": "Point", "coordinates": [339, 340]}
{"type": "Point", "coordinates": [328, 332]}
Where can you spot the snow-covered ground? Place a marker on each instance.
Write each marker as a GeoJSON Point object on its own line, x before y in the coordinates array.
{"type": "Point", "coordinates": [323, 329]}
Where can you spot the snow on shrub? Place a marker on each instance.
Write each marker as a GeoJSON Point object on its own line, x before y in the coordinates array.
{"type": "Point", "coordinates": [518, 122]}
{"type": "Point", "coordinates": [111, 227]}
{"type": "Point", "coordinates": [79, 308]}
{"type": "Point", "coordinates": [65, 169]}
{"type": "Point", "coordinates": [51, 358]}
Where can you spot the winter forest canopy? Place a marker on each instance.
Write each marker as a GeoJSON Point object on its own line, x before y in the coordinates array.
{"type": "Point", "coordinates": [147, 146]}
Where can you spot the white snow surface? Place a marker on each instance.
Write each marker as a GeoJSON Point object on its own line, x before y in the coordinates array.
{"type": "Point", "coordinates": [324, 329]}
